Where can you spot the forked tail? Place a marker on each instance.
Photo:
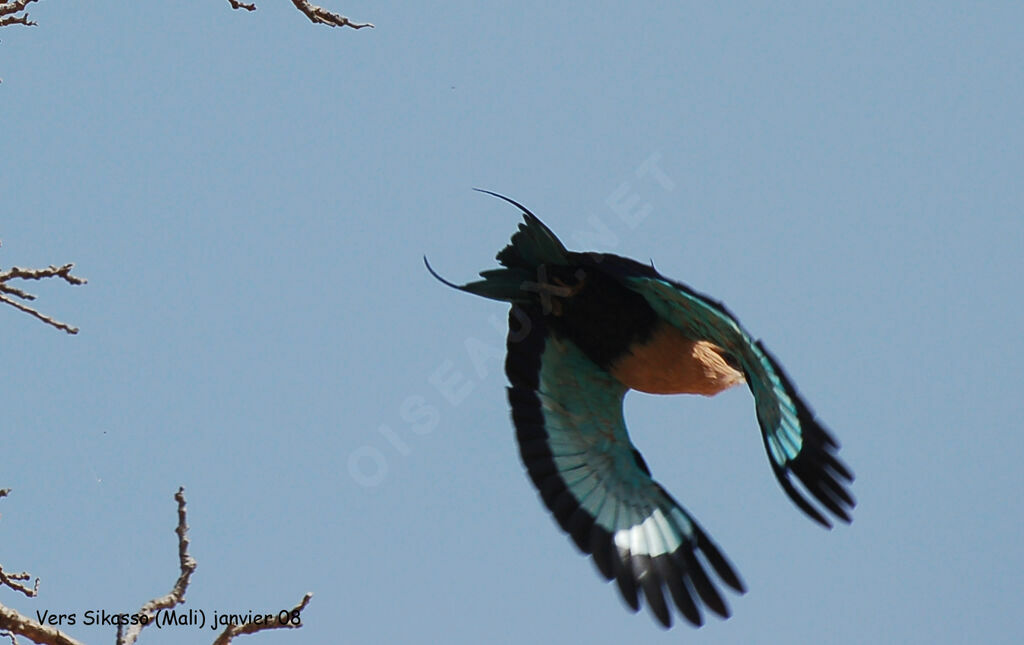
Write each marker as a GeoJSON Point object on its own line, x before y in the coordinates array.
{"type": "Point", "coordinates": [532, 246]}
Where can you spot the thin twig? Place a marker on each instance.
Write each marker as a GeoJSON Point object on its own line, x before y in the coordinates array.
{"type": "Point", "coordinates": [17, 20]}
{"type": "Point", "coordinates": [52, 271]}
{"type": "Point", "coordinates": [12, 580]}
{"type": "Point", "coordinates": [235, 4]}
{"type": "Point", "coordinates": [322, 16]}
{"type": "Point", "coordinates": [233, 630]}
{"type": "Point", "coordinates": [13, 624]}
{"type": "Point", "coordinates": [41, 316]}
{"type": "Point", "coordinates": [13, 7]}
{"type": "Point", "coordinates": [16, 273]}
{"type": "Point", "coordinates": [177, 593]}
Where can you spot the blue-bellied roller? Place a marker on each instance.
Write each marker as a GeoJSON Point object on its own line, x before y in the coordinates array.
{"type": "Point", "coordinates": [584, 329]}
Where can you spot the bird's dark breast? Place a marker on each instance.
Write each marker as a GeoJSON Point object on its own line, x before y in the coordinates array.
{"type": "Point", "coordinates": [599, 315]}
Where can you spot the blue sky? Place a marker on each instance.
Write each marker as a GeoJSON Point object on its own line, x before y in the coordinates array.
{"type": "Point", "coordinates": [250, 197]}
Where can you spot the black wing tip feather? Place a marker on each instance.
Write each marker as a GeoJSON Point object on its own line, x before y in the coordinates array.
{"type": "Point", "coordinates": [641, 576]}
{"type": "Point", "coordinates": [720, 564]}
{"type": "Point", "coordinates": [817, 466]}
{"type": "Point", "coordinates": [624, 577]}
{"type": "Point", "coordinates": [702, 584]}
{"type": "Point", "coordinates": [820, 471]}
{"type": "Point", "coordinates": [651, 583]}
{"type": "Point", "coordinates": [712, 553]}
{"type": "Point", "coordinates": [675, 579]}
{"type": "Point", "coordinates": [823, 482]}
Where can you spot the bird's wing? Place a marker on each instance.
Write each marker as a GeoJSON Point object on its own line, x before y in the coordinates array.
{"type": "Point", "coordinates": [573, 442]}
{"type": "Point", "coordinates": [796, 442]}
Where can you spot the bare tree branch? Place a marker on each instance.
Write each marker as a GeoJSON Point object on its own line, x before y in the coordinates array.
{"type": "Point", "coordinates": [320, 15]}
{"type": "Point", "coordinates": [17, 20]}
{"type": "Point", "coordinates": [13, 624]}
{"type": "Point", "coordinates": [8, 292]}
{"type": "Point", "coordinates": [177, 593]}
{"type": "Point", "coordinates": [13, 580]}
{"type": "Point", "coordinates": [8, 9]}
{"type": "Point", "coordinates": [231, 631]}
{"type": "Point", "coordinates": [46, 319]}
{"type": "Point", "coordinates": [9, 13]}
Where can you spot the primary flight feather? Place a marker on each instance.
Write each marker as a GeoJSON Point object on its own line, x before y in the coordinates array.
{"type": "Point", "coordinates": [584, 329]}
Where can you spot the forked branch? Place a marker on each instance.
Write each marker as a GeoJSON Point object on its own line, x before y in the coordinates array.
{"type": "Point", "coordinates": [13, 295]}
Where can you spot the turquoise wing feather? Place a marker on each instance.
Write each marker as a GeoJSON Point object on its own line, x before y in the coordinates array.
{"type": "Point", "coordinates": [797, 444]}
{"type": "Point", "coordinates": [574, 444]}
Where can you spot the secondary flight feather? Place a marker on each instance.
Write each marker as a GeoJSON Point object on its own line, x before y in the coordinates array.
{"type": "Point", "coordinates": [585, 328]}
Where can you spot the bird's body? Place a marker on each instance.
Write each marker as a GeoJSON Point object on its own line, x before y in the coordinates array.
{"type": "Point", "coordinates": [619, 330]}
{"type": "Point", "coordinates": [585, 328]}
{"type": "Point", "coordinates": [671, 363]}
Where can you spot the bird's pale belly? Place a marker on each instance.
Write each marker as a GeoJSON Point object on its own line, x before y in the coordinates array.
{"type": "Point", "coordinates": [671, 363]}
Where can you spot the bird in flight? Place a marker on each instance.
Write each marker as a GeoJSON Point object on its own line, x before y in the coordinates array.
{"type": "Point", "coordinates": [585, 328]}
